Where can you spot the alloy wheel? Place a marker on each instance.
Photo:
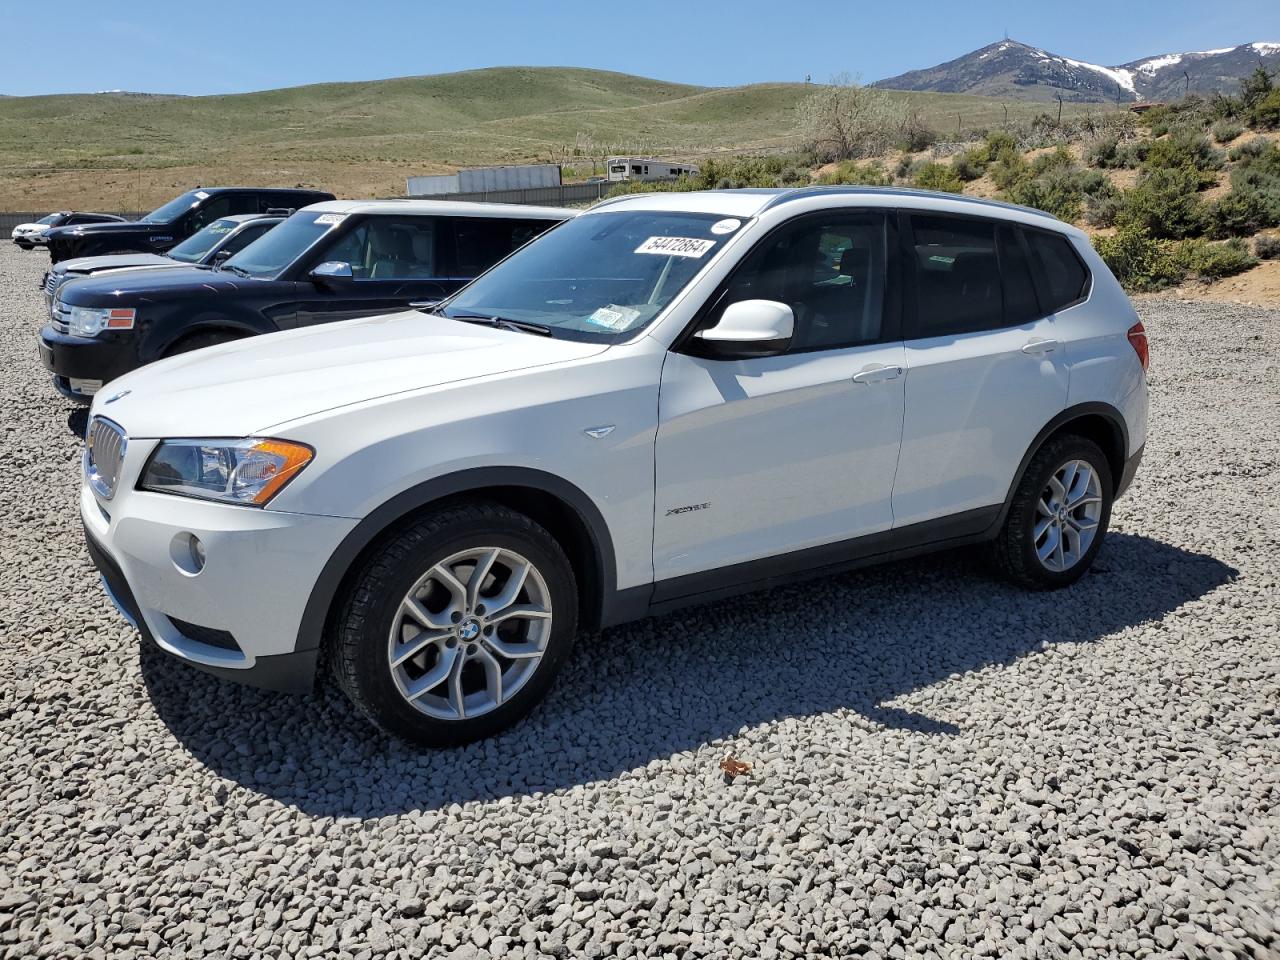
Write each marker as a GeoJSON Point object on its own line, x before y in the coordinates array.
{"type": "Point", "coordinates": [470, 633]}
{"type": "Point", "coordinates": [1067, 515]}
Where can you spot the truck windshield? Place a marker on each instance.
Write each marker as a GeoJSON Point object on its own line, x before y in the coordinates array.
{"type": "Point", "coordinates": [51, 218]}
{"type": "Point", "coordinates": [599, 276]}
{"type": "Point", "coordinates": [270, 254]}
{"type": "Point", "coordinates": [174, 208]}
{"type": "Point", "coordinates": [195, 247]}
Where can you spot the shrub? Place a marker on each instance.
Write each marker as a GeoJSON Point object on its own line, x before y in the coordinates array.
{"type": "Point", "coordinates": [1224, 131]}
{"type": "Point", "coordinates": [1130, 156]}
{"type": "Point", "coordinates": [913, 133]}
{"type": "Point", "coordinates": [1206, 260]}
{"type": "Point", "coordinates": [1103, 206]}
{"type": "Point", "coordinates": [937, 176]}
{"type": "Point", "coordinates": [970, 164]}
{"type": "Point", "coordinates": [1164, 203]}
{"type": "Point", "coordinates": [903, 170]}
{"type": "Point", "coordinates": [1266, 113]}
{"type": "Point", "coordinates": [849, 172]}
{"type": "Point", "coordinates": [1009, 168]}
{"type": "Point", "coordinates": [1184, 147]}
{"type": "Point", "coordinates": [1250, 149]}
{"type": "Point", "coordinates": [1254, 200]}
{"type": "Point", "coordinates": [1267, 247]}
{"type": "Point", "coordinates": [1103, 152]}
{"type": "Point", "coordinates": [1138, 260]}
{"type": "Point", "coordinates": [844, 121]}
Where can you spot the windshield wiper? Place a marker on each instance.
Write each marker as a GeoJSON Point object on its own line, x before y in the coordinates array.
{"type": "Point", "coordinates": [502, 323]}
{"type": "Point", "coordinates": [238, 271]}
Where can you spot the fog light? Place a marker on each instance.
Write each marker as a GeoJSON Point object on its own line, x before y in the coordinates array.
{"type": "Point", "coordinates": [187, 553]}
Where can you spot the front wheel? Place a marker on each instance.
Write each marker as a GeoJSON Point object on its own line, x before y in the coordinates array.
{"type": "Point", "coordinates": [1059, 515]}
{"type": "Point", "coordinates": [456, 627]}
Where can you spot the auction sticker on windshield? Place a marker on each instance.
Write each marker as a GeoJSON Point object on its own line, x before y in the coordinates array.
{"type": "Point", "coordinates": [331, 218]}
{"type": "Point", "coordinates": [676, 246]}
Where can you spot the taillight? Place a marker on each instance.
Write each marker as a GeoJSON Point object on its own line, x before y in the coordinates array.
{"type": "Point", "coordinates": [1138, 340]}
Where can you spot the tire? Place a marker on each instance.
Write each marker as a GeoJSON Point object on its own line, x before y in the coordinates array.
{"type": "Point", "coordinates": [375, 626]}
{"type": "Point", "coordinates": [198, 341]}
{"type": "Point", "coordinates": [1019, 554]}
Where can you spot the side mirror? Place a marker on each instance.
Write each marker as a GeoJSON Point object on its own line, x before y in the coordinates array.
{"type": "Point", "coordinates": [749, 328]}
{"type": "Point", "coordinates": [221, 255]}
{"type": "Point", "coordinates": [331, 270]}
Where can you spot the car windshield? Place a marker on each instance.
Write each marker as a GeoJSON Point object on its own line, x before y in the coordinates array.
{"type": "Point", "coordinates": [175, 207]}
{"type": "Point", "coordinates": [51, 218]}
{"type": "Point", "coordinates": [195, 247]}
{"type": "Point", "coordinates": [599, 276]}
{"type": "Point", "coordinates": [276, 249]}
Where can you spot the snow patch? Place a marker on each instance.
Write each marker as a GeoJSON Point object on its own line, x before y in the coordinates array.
{"type": "Point", "coordinates": [1149, 67]}
{"type": "Point", "coordinates": [1122, 77]}
{"type": "Point", "coordinates": [1266, 48]}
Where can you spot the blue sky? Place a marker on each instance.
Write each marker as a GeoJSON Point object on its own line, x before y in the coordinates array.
{"type": "Point", "coordinates": [230, 46]}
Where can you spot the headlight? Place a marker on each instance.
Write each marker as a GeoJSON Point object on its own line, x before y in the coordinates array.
{"type": "Point", "coordinates": [91, 321]}
{"type": "Point", "coordinates": [249, 471]}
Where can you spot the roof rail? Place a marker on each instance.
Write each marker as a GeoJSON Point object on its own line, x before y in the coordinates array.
{"type": "Point", "coordinates": [799, 193]}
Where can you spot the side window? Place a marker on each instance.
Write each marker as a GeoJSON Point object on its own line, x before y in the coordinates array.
{"type": "Point", "coordinates": [1063, 279]}
{"type": "Point", "coordinates": [212, 210]}
{"type": "Point", "coordinates": [831, 272]}
{"type": "Point", "coordinates": [958, 286]}
{"type": "Point", "coordinates": [244, 238]}
{"type": "Point", "coordinates": [1020, 303]}
{"type": "Point", "coordinates": [386, 248]}
{"type": "Point", "coordinates": [481, 242]}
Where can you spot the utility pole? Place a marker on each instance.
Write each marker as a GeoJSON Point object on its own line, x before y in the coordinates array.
{"type": "Point", "coordinates": [1059, 109]}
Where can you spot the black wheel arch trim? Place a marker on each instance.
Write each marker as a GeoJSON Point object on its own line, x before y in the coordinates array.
{"type": "Point", "coordinates": [1077, 412]}
{"type": "Point", "coordinates": [324, 592]}
{"type": "Point", "coordinates": [213, 323]}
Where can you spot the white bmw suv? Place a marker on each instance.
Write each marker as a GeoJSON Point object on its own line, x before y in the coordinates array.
{"type": "Point", "coordinates": [670, 398]}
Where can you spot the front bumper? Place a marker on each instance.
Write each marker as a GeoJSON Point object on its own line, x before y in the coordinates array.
{"type": "Point", "coordinates": [80, 365]}
{"type": "Point", "coordinates": [239, 616]}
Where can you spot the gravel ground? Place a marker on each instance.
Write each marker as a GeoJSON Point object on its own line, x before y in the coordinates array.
{"type": "Point", "coordinates": [941, 765]}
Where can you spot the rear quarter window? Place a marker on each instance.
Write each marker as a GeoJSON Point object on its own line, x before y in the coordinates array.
{"type": "Point", "coordinates": [1061, 276]}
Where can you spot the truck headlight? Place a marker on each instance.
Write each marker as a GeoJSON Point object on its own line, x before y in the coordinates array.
{"type": "Point", "coordinates": [91, 321]}
{"type": "Point", "coordinates": [248, 472]}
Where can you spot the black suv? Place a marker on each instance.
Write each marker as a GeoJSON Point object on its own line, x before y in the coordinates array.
{"type": "Point", "coordinates": [27, 235]}
{"type": "Point", "coordinates": [331, 261]}
{"type": "Point", "coordinates": [219, 240]}
{"type": "Point", "coordinates": [172, 223]}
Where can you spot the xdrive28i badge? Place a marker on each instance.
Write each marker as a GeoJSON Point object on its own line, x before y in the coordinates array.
{"type": "Point", "coordinates": [688, 509]}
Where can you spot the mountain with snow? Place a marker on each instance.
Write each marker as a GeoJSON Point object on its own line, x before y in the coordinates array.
{"type": "Point", "coordinates": [1022, 72]}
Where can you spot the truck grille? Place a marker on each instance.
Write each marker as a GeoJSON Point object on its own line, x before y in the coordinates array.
{"type": "Point", "coordinates": [103, 455]}
{"type": "Point", "coordinates": [50, 284]}
{"type": "Point", "coordinates": [60, 317]}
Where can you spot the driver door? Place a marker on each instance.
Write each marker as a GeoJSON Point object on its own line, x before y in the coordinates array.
{"type": "Point", "coordinates": [760, 457]}
{"type": "Point", "coordinates": [394, 262]}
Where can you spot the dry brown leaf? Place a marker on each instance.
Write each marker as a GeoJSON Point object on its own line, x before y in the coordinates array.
{"type": "Point", "coordinates": [733, 767]}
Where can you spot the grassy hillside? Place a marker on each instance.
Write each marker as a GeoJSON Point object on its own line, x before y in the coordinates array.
{"type": "Point", "coordinates": [363, 139]}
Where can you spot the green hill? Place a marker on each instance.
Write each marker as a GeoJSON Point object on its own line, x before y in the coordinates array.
{"type": "Point", "coordinates": [361, 139]}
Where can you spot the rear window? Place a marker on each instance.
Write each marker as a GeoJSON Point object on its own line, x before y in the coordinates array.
{"type": "Point", "coordinates": [1062, 278]}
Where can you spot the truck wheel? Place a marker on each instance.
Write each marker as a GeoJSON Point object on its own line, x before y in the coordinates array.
{"type": "Point", "coordinates": [1058, 517]}
{"type": "Point", "coordinates": [456, 627]}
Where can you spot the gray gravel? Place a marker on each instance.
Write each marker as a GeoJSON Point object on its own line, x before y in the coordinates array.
{"type": "Point", "coordinates": [941, 764]}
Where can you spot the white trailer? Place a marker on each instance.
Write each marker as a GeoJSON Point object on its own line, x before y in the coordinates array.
{"type": "Point", "coordinates": [647, 168]}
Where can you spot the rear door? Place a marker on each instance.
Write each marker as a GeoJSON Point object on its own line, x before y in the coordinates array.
{"type": "Point", "coordinates": [985, 366]}
{"type": "Point", "coordinates": [394, 261]}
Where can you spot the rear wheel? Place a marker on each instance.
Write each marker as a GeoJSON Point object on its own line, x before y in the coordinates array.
{"type": "Point", "coordinates": [456, 628]}
{"type": "Point", "coordinates": [1059, 515]}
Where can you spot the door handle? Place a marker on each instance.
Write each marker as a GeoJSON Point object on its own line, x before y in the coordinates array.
{"type": "Point", "coordinates": [1037, 348]}
{"type": "Point", "coordinates": [877, 373]}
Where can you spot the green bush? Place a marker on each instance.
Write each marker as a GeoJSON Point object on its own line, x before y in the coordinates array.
{"type": "Point", "coordinates": [1185, 147]}
{"type": "Point", "coordinates": [1103, 206]}
{"type": "Point", "coordinates": [1254, 200]}
{"type": "Point", "coordinates": [1164, 204]}
{"type": "Point", "coordinates": [1224, 131]}
{"type": "Point", "coordinates": [1251, 148]}
{"type": "Point", "coordinates": [1103, 152]}
{"type": "Point", "coordinates": [1267, 248]}
{"type": "Point", "coordinates": [1266, 113]}
{"type": "Point", "coordinates": [971, 164]}
{"type": "Point", "coordinates": [1206, 260]}
{"type": "Point", "coordinates": [851, 172]}
{"type": "Point", "coordinates": [1008, 168]}
{"type": "Point", "coordinates": [1130, 156]}
{"type": "Point", "coordinates": [1138, 260]}
{"type": "Point", "coordinates": [937, 176]}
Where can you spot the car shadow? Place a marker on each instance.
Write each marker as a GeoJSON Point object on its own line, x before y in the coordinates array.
{"type": "Point", "coordinates": [78, 422]}
{"type": "Point", "coordinates": [652, 689]}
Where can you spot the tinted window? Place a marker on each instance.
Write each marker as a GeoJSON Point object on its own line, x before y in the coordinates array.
{"type": "Point", "coordinates": [1020, 304]}
{"type": "Point", "coordinates": [482, 242]}
{"type": "Point", "coordinates": [212, 209]}
{"type": "Point", "coordinates": [198, 244]}
{"type": "Point", "coordinates": [387, 248]}
{"type": "Point", "coordinates": [174, 208]}
{"type": "Point", "coordinates": [1062, 277]}
{"type": "Point", "coordinates": [958, 287]}
{"type": "Point", "coordinates": [273, 251]}
{"type": "Point", "coordinates": [245, 237]}
{"type": "Point", "coordinates": [831, 272]}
